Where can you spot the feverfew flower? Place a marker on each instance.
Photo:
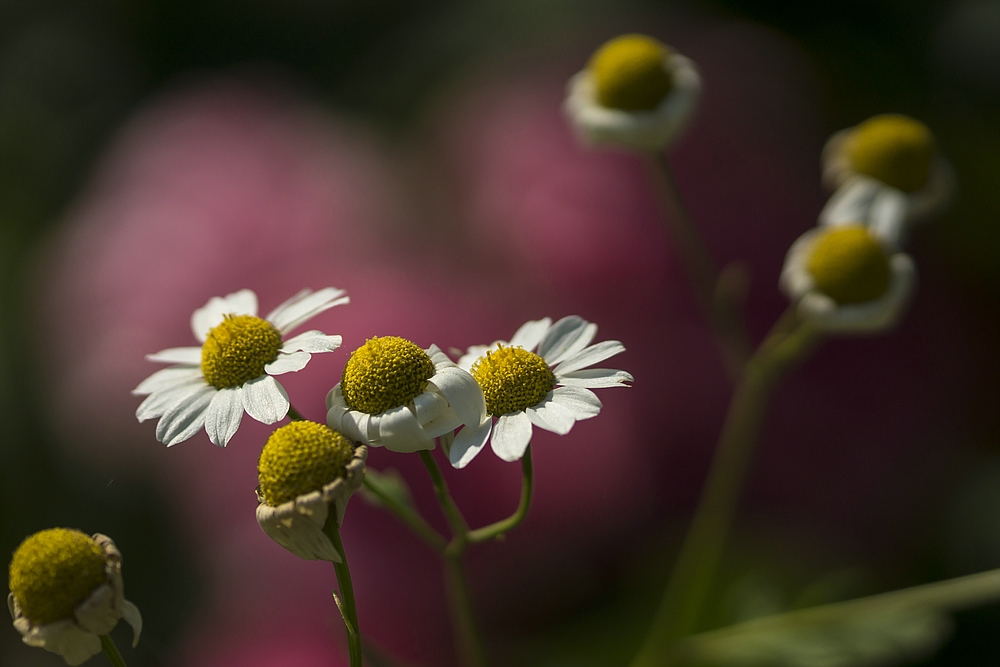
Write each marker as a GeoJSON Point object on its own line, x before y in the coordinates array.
{"type": "Point", "coordinates": [232, 372]}
{"type": "Point", "coordinates": [304, 469]}
{"type": "Point", "coordinates": [635, 92]}
{"type": "Point", "coordinates": [846, 280]}
{"type": "Point", "coordinates": [549, 389]}
{"type": "Point", "coordinates": [67, 591]}
{"type": "Point", "coordinates": [394, 394]}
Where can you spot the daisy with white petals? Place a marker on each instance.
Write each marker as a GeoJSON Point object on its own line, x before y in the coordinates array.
{"type": "Point", "coordinates": [549, 388]}
{"type": "Point", "coordinates": [211, 386]}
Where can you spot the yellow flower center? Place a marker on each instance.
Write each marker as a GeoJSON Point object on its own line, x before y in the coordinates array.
{"type": "Point", "coordinates": [630, 74]}
{"type": "Point", "coordinates": [512, 379]}
{"type": "Point", "coordinates": [237, 350]}
{"type": "Point", "coordinates": [849, 265]}
{"type": "Point", "coordinates": [300, 458]}
{"type": "Point", "coordinates": [53, 571]}
{"type": "Point", "coordinates": [385, 373]}
{"type": "Point", "coordinates": [895, 149]}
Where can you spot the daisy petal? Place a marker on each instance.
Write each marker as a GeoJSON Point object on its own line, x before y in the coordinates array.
{"type": "Point", "coordinates": [463, 394]}
{"type": "Point", "coordinates": [190, 356]}
{"type": "Point", "coordinates": [265, 399]}
{"type": "Point", "coordinates": [399, 431]}
{"type": "Point", "coordinates": [566, 337]}
{"type": "Point", "coordinates": [582, 402]}
{"type": "Point", "coordinates": [212, 313]}
{"type": "Point", "coordinates": [511, 436]}
{"type": "Point", "coordinates": [468, 443]}
{"type": "Point", "coordinates": [243, 302]}
{"type": "Point", "coordinates": [530, 334]}
{"type": "Point", "coordinates": [185, 418]}
{"type": "Point", "coordinates": [132, 616]}
{"type": "Point", "coordinates": [166, 378]}
{"type": "Point", "coordinates": [224, 415]}
{"type": "Point", "coordinates": [473, 355]}
{"type": "Point", "coordinates": [438, 356]}
{"type": "Point", "coordinates": [352, 424]}
{"type": "Point", "coordinates": [442, 423]}
{"type": "Point", "coordinates": [591, 355]}
{"type": "Point", "coordinates": [552, 417]}
{"type": "Point", "coordinates": [160, 401]}
{"type": "Point", "coordinates": [428, 406]}
{"type": "Point", "coordinates": [594, 378]}
{"type": "Point", "coordinates": [288, 363]}
{"type": "Point", "coordinates": [304, 306]}
{"type": "Point", "coordinates": [312, 341]}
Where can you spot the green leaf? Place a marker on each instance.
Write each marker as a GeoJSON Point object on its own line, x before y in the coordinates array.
{"type": "Point", "coordinates": [382, 488]}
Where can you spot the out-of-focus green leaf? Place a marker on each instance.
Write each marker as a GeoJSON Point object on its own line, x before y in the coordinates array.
{"type": "Point", "coordinates": [386, 485]}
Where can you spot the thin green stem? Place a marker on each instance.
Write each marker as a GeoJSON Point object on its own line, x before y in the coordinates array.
{"type": "Point", "coordinates": [110, 650]}
{"type": "Point", "coordinates": [470, 643]}
{"type": "Point", "coordinates": [693, 572]}
{"type": "Point", "coordinates": [459, 527]}
{"type": "Point", "coordinates": [412, 519]}
{"type": "Point", "coordinates": [347, 607]}
{"type": "Point", "coordinates": [294, 415]}
{"type": "Point", "coordinates": [500, 528]}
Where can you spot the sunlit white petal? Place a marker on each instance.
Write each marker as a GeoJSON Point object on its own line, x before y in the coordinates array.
{"type": "Point", "coordinates": [189, 356]}
{"type": "Point", "coordinates": [551, 416]}
{"type": "Point", "coordinates": [590, 356]}
{"type": "Point", "coordinates": [185, 418]}
{"type": "Point", "coordinates": [468, 443]}
{"type": "Point", "coordinates": [224, 415]}
{"type": "Point", "coordinates": [265, 399]}
{"type": "Point", "coordinates": [530, 333]}
{"type": "Point", "coordinates": [581, 402]}
{"type": "Point", "coordinates": [288, 363]}
{"type": "Point", "coordinates": [312, 341]}
{"type": "Point", "coordinates": [595, 378]}
{"type": "Point", "coordinates": [511, 435]}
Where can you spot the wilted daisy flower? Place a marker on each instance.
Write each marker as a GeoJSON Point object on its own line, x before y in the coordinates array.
{"type": "Point", "coordinates": [894, 151]}
{"type": "Point", "coordinates": [635, 92]}
{"type": "Point", "coordinates": [549, 389]}
{"type": "Point", "coordinates": [67, 591]}
{"type": "Point", "coordinates": [212, 385]}
{"type": "Point", "coordinates": [303, 469]}
{"type": "Point", "coordinates": [394, 394]}
{"type": "Point", "coordinates": [845, 279]}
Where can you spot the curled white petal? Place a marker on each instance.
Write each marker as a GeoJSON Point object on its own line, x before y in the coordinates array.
{"type": "Point", "coordinates": [399, 431]}
{"type": "Point", "coordinates": [312, 341]}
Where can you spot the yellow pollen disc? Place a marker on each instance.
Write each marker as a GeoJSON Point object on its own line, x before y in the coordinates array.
{"type": "Point", "coordinates": [630, 74]}
{"type": "Point", "coordinates": [895, 149]}
{"type": "Point", "coordinates": [849, 265]}
{"type": "Point", "coordinates": [512, 379]}
{"type": "Point", "coordinates": [300, 458]}
{"type": "Point", "coordinates": [54, 571]}
{"type": "Point", "coordinates": [385, 373]}
{"type": "Point", "coordinates": [237, 350]}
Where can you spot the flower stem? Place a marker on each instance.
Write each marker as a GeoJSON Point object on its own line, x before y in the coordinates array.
{"type": "Point", "coordinates": [459, 527]}
{"type": "Point", "coordinates": [110, 650]}
{"type": "Point", "coordinates": [701, 551]}
{"type": "Point", "coordinates": [347, 607]}
{"type": "Point", "coordinates": [408, 516]}
{"type": "Point", "coordinates": [716, 296]}
{"type": "Point", "coordinates": [500, 528]}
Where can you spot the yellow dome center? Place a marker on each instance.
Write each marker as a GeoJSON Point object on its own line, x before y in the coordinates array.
{"type": "Point", "coordinates": [630, 73]}
{"type": "Point", "coordinates": [300, 458]}
{"type": "Point", "coordinates": [237, 350]}
{"type": "Point", "coordinates": [895, 149]}
{"type": "Point", "coordinates": [512, 379]}
{"type": "Point", "coordinates": [849, 265]}
{"type": "Point", "coordinates": [385, 373]}
{"type": "Point", "coordinates": [53, 571]}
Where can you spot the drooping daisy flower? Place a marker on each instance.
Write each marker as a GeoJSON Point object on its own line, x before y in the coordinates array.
{"type": "Point", "coordinates": [232, 372]}
{"type": "Point", "coordinates": [635, 92]}
{"type": "Point", "coordinates": [844, 279]}
{"type": "Point", "coordinates": [66, 591]}
{"type": "Point", "coordinates": [549, 389]}
{"type": "Point", "coordinates": [394, 394]}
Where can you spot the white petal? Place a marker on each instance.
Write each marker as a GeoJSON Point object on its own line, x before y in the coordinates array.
{"type": "Point", "coordinates": [399, 431]}
{"type": "Point", "coordinates": [177, 355]}
{"type": "Point", "coordinates": [288, 363]}
{"type": "Point", "coordinates": [304, 306]}
{"type": "Point", "coordinates": [473, 355]}
{"type": "Point", "coordinates": [444, 422]}
{"type": "Point", "coordinates": [582, 402]}
{"type": "Point", "coordinates": [185, 418]}
{"type": "Point", "coordinates": [851, 203]}
{"type": "Point", "coordinates": [591, 355]}
{"type": "Point", "coordinates": [166, 378]}
{"type": "Point", "coordinates": [567, 336]}
{"type": "Point", "coordinates": [265, 400]}
{"type": "Point", "coordinates": [212, 313]}
{"type": "Point", "coordinates": [595, 378]}
{"type": "Point", "coordinates": [132, 616]}
{"type": "Point", "coordinates": [351, 423]}
{"type": "Point", "coordinates": [552, 417]}
{"type": "Point", "coordinates": [429, 405]}
{"type": "Point", "coordinates": [160, 401]}
{"type": "Point", "coordinates": [511, 436]}
{"type": "Point", "coordinates": [224, 415]}
{"type": "Point", "coordinates": [438, 356]}
{"type": "Point", "coordinates": [464, 394]}
{"type": "Point", "coordinates": [312, 341]}
{"type": "Point", "coordinates": [468, 443]}
{"type": "Point", "coordinates": [243, 302]}
{"type": "Point", "coordinates": [530, 333]}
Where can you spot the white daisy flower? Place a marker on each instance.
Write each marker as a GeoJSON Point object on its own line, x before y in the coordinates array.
{"type": "Point", "coordinates": [394, 394]}
{"type": "Point", "coordinates": [232, 372]}
{"type": "Point", "coordinates": [549, 389]}
{"type": "Point", "coordinates": [635, 92]}
{"type": "Point", "coordinates": [846, 280]}
{"type": "Point", "coordinates": [889, 162]}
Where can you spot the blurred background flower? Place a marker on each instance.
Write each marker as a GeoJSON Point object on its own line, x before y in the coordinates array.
{"type": "Point", "coordinates": [414, 153]}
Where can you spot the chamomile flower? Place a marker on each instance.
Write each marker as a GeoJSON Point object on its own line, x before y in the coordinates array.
{"type": "Point", "coordinates": [394, 394]}
{"type": "Point", "coordinates": [66, 591]}
{"type": "Point", "coordinates": [635, 92]}
{"type": "Point", "coordinates": [549, 388]}
{"type": "Point", "coordinates": [846, 280]}
{"type": "Point", "coordinates": [305, 470]}
{"type": "Point", "coordinates": [211, 386]}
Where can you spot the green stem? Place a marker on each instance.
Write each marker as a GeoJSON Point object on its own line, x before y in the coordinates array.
{"type": "Point", "coordinates": [500, 528]}
{"type": "Point", "coordinates": [110, 650]}
{"type": "Point", "coordinates": [730, 332]}
{"type": "Point", "coordinates": [294, 415]}
{"type": "Point", "coordinates": [348, 608]}
{"type": "Point", "coordinates": [692, 575]}
{"type": "Point", "coordinates": [459, 527]}
{"type": "Point", "coordinates": [408, 516]}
